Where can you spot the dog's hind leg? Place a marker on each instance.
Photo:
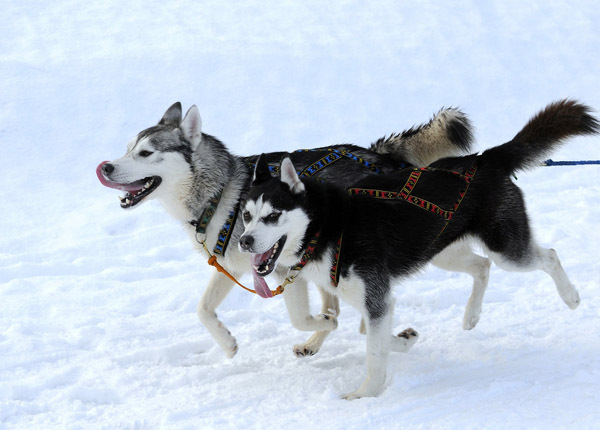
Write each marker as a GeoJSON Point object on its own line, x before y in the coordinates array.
{"type": "Point", "coordinates": [296, 301]}
{"type": "Point", "coordinates": [506, 234]}
{"type": "Point", "coordinates": [547, 260]}
{"type": "Point", "coordinates": [458, 257]}
{"type": "Point", "coordinates": [551, 265]}
{"type": "Point", "coordinates": [217, 289]}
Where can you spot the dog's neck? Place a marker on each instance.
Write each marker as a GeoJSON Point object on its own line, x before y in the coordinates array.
{"type": "Point", "coordinates": [176, 203]}
{"type": "Point", "coordinates": [187, 200]}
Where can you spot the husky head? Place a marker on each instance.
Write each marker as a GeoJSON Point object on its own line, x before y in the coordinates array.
{"type": "Point", "coordinates": [157, 160]}
{"type": "Point", "coordinates": [274, 219]}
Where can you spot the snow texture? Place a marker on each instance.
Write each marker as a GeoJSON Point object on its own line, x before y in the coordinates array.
{"type": "Point", "coordinates": [98, 328]}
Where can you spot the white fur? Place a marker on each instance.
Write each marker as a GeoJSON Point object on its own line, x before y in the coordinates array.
{"type": "Point", "coordinates": [291, 223]}
{"type": "Point", "coordinates": [296, 302]}
{"type": "Point", "coordinates": [290, 177]}
{"type": "Point", "coordinates": [546, 260]}
{"type": "Point", "coordinates": [170, 166]}
{"type": "Point", "coordinates": [458, 258]}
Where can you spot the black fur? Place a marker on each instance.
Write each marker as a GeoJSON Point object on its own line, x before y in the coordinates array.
{"type": "Point", "coordinates": [543, 134]}
{"type": "Point", "coordinates": [386, 239]}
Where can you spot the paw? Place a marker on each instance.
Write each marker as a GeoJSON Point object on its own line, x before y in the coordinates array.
{"type": "Point", "coordinates": [332, 321]}
{"type": "Point", "coordinates": [408, 334]}
{"type": "Point", "coordinates": [470, 321]}
{"type": "Point", "coordinates": [351, 396]}
{"type": "Point", "coordinates": [231, 349]}
{"type": "Point", "coordinates": [363, 392]}
{"type": "Point", "coordinates": [571, 297]}
{"type": "Point", "coordinates": [404, 340]}
{"type": "Point", "coordinates": [304, 350]}
{"type": "Point", "coordinates": [312, 345]}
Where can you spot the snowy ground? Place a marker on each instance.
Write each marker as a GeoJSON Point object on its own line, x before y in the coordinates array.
{"type": "Point", "coordinates": [97, 305]}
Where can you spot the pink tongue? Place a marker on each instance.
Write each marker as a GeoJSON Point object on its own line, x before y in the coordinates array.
{"type": "Point", "coordinates": [260, 285]}
{"type": "Point", "coordinates": [111, 184]}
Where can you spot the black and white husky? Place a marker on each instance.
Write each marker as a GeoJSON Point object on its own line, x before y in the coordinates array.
{"type": "Point", "coordinates": [358, 242]}
{"type": "Point", "coordinates": [200, 182]}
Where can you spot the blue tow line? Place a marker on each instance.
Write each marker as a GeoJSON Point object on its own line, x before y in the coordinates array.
{"type": "Point", "coordinates": [569, 163]}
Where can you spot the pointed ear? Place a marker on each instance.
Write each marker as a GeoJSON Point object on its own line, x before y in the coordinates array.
{"type": "Point", "coordinates": [289, 176]}
{"type": "Point", "coordinates": [172, 116]}
{"type": "Point", "coordinates": [191, 127]}
{"type": "Point", "coordinates": [261, 171]}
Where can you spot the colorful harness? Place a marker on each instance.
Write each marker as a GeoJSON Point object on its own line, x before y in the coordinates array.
{"type": "Point", "coordinates": [224, 235]}
{"type": "Point", "coordinates": [336, 154]}
{"type": "Point", "coordinates": [405, 193]}
{"type": "Point", "coordinates": [334, 274]}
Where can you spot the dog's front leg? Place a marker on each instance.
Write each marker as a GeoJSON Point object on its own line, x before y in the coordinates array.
{"type": "Point", "coordinates": [217, 289]}
{"type": "Point", "coordinates": [378, 347]}
{"type": "Point", "coordinates": [296, 301]}
{"type": "Point", "coordinates": [330, 305]}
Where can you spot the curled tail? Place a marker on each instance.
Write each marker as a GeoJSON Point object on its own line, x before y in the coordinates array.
{"type": "Point", "coordinates": [545, 132]}
{"type": "Point", "coordinates": [447, 134]}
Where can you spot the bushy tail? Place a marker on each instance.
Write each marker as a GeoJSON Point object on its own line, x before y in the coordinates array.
{"type": "Point", "coordinates": [447, 134]}
{"type": "Point", "coordinates": [541, 135]}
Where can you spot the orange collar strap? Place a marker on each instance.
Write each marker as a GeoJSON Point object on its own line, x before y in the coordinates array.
{"type": "Point", "coordinates": [212, 260]}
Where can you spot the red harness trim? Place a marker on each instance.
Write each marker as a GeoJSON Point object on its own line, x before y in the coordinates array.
{"type": "Point", "coordinates": [308, 252]}
{"type": "Point", "coordinates": [334, 272]}
{"type": "Point", "coordinates": [405, 193]}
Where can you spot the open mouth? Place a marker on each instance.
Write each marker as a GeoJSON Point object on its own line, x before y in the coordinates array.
{"type": "Point", "coordinates": [263, 264]}
{"type": "Point", "coordinates": [135, 191]}
{"type": "Point", "coordinates": [140, 190]}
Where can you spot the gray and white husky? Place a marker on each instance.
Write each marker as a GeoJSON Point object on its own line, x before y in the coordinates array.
{"type": "Point", "coordinates": [201, 184]}
{"type": "Point", "coordinates": [358, 241]}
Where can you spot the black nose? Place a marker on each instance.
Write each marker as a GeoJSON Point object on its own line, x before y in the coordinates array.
{"type": "Point", "coordinates": [107, 168]}
{"type": "Point", "coordinates": [246, 242]}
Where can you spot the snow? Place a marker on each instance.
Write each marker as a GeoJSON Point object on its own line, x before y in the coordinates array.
{"type": "Point", "coordinates": [97, 305]}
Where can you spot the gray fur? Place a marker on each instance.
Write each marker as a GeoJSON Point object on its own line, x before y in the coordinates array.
{"type": "Point", "coordinates": [448, 133]}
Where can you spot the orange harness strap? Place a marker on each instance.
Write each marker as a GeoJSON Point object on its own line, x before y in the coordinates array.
{"type": "Point", "coordinates": [212, 260]}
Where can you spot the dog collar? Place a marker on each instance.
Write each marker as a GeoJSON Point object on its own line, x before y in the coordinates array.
{"type": "Point", "coordinates": [209, 211]}
{"type": "Point", "coordinates": [201, 224]}
{"type": "Point", "coordinates": [308, 252]}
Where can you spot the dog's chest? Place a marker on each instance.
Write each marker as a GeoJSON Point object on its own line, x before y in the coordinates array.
{"type": "Point", "coordinates": [349, 288]}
